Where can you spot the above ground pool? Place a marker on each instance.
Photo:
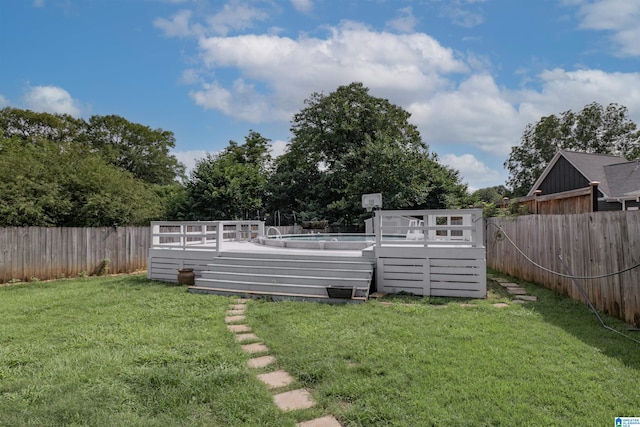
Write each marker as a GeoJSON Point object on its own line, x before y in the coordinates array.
{"type": "Point", "coordinates": [322, 241]}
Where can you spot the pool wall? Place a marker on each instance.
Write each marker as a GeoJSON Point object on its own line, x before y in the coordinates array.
{"type": "Point", "coordinates": [302, 242]}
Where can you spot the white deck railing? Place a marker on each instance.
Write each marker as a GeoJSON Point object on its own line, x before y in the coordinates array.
{"type": "Point", "coordinates": [444, 227]}
{"type": "Point", "coordinates": [202, 235]}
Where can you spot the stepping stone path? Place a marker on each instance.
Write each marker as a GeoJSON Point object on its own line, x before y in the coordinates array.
{"type": "Point", "coordinates": [290, 400]}
{"type": "Point", "coordinates": [519, 293]}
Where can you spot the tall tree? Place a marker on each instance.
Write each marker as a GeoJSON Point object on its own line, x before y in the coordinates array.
{"type": "Point", "coordinates": [595, 129]}
{"type": "Point", "coordinates": [228, 185]}
{"type": "Point", "coordinates": [349, 143]}
{"type": "Point", "coordinates": [135, 148]}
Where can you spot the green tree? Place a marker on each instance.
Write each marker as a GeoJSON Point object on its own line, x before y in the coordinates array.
{"type": "Point", "coordinates": [595, 129]}
{"type": "Point", "coordinates": [494, 195]}
{"type": "Point", "coordinates": [30, 126]}
{"type": "Point", "coordinates": [45, 183]}
{"type": "Point", "coordinates": [132, 147]}
{"type": "Point", "coordinates": [135, 148]}
{"type": "Point", "coordinates": [228, 185]}
{"type": "Point", "coordinates": [349, 143]}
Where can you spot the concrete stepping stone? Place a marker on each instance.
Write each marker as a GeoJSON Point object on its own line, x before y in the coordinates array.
{"type": "Point", "coordinates": [276, 379]}
{"type": "Point", "coordinates": [529, 298]}
{"type": "Point", "coordinates": [295, 399]}
{"type": "Point", "coordinates": [246, 337]}
{"type": "Point", "coordinates": [241, 300]}
{"type": "Point", "coordinates": [238, 306]}
{"type": "Point", "coordinates": [500, 305]}
{"type": "Point", "coordinates": [235, 312]}
{"type": "Point", "coordinates": [501, 280]}
{"type": "Point", "coordinates": [509, 285]}
{"type": "Point", "coordinates": [238, 328]}
{"type": "Point", "coordinates": [327, 421]}
{"type": "Point", "coordinates": [517, 291]}
{"type": "Point", "coordinates": [255, 348]}
{"type": "Point", "coordinates": [260, 362]}
{"type": "Point", "coordinates": [233, 319]}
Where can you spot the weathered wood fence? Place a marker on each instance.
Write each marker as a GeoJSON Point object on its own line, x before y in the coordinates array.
{"type": "Point", "coordinates": [591, 244]}
{"type": "Point", "coordinates": [49, 253]}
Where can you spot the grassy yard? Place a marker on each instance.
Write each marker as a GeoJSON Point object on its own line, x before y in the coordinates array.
{"type": "Point", "coordinates": [126, 351]}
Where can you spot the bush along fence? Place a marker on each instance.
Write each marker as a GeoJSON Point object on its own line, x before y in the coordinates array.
{"type": "Point", "coordinates": [601, 250]}
{"type": "Point", "coordinates": [43, 253]}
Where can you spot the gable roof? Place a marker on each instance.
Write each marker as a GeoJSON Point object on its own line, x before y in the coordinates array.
{"type": "Point", "coordinates": [594, 168]}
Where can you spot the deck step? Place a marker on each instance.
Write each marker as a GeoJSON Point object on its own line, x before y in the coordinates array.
{"type": "Point", "coordinates": [285, 261]}
{"type": "Point", "coordinates": [290, 271]}
{"type": "Point", "coordinates": [291, 279]}
{"type": "Point", "coordinates": [232, 292]}
{"type": "Point", "coordinates": [288, 275]}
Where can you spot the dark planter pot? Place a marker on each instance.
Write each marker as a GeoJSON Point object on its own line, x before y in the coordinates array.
{"type": "Point", "coordinates": [186, 276]}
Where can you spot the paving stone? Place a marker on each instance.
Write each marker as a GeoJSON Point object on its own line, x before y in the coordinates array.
{"type": "Point", "coordinates": [239, 328]}
{"type": "Point", "coordinates": [295, 399]}
{"type": "Point", "coordinates": [246, 337]}
{"type": "Point", "coordinates": [235, 312]}
{"type": "Point", "coordinates": [526, 297]}
{"type": "Point", "coordinates": [517, 291]}
{"type": "Point", "coordinates": [501, 280]}
{"type": "Point", "coordinates": [260, 362]}
{"type": "Point", "coordinates": [233, 319]}
{"type": "Point", "coordinates": [238, 306]}
{"type": "Point", "coordinates": [500, 305]}
{"type": "Point", "coordinates": [255, 348]}
{"type": "Point", "coordinates": [276, 379]}
{"type": "Point", "coordinates": [327, 421]}
{"type": "Point", "coordinates": [241, 300]}
{"type": "Point", "coordinates": [510, 285]}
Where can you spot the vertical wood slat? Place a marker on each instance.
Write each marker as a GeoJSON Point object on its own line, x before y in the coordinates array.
{"type": "Point", "coordinates": [48, 253]}
{"type": "Point", "coordinates": [592, 244]}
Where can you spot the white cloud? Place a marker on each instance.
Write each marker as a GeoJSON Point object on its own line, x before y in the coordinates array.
{"type": "Point", "coordinates": [476, 174]}
{"type": "Point", "coordinates": [475, 113]}
{"type": "Point", "coordinates": [405, 22]}
{"type": "Point", "coordinates": [4, 102]}
{"type": "Point", "coordinates": [391, 65]}
{"type": "Point", "coordinates": [38, 3]}
{"type": "Point", "coordinates": [51, 99]}
{"type": "Point", "coordinates": [619, 17]}
{"type": "Point", "coordinates": [304, 6]}
{"type": "Point", "coordinates": [177, 26]}
{"type": "Point", "coordinates": [189, 158]}
{"type": "Point", "coordinates": [235, 16]}
{"type": "Point", "coordinates": [278, 148]}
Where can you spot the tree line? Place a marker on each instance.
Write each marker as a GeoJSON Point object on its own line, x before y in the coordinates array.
{"type": "Point", "coordinates": [57, 170]}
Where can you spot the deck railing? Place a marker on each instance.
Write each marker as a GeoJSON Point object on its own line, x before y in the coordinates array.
{"type": "Point", "coordinates": [444, 227]}
{"type": "Point", "coordinates": [202, 235]}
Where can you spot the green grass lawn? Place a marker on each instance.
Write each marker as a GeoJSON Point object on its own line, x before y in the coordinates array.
{"type": "Point", "coordinates": [126, 351]}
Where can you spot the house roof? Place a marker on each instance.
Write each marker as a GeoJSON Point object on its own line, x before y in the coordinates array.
{"type": "Point", "coordinates": [618, 177]}
{"type": "Point", "coordinates": [624, 179]}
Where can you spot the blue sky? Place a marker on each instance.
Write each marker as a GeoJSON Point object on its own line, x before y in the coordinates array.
{"type": "Point", "coordinates": [473, 73]}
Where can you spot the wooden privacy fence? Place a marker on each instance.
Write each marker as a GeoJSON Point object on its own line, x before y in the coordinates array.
{"type": "Point", "coordinates": [591, 244]}
{"type": "Point", "coordinates": [50, 253]}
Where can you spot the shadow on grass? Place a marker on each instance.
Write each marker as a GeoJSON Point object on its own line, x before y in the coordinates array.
{"type": "Point", "coordinates": [577, 319]}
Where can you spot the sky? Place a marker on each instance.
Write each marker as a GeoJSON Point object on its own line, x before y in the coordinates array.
{"type": "Point", "coordinates": [472, 73]}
